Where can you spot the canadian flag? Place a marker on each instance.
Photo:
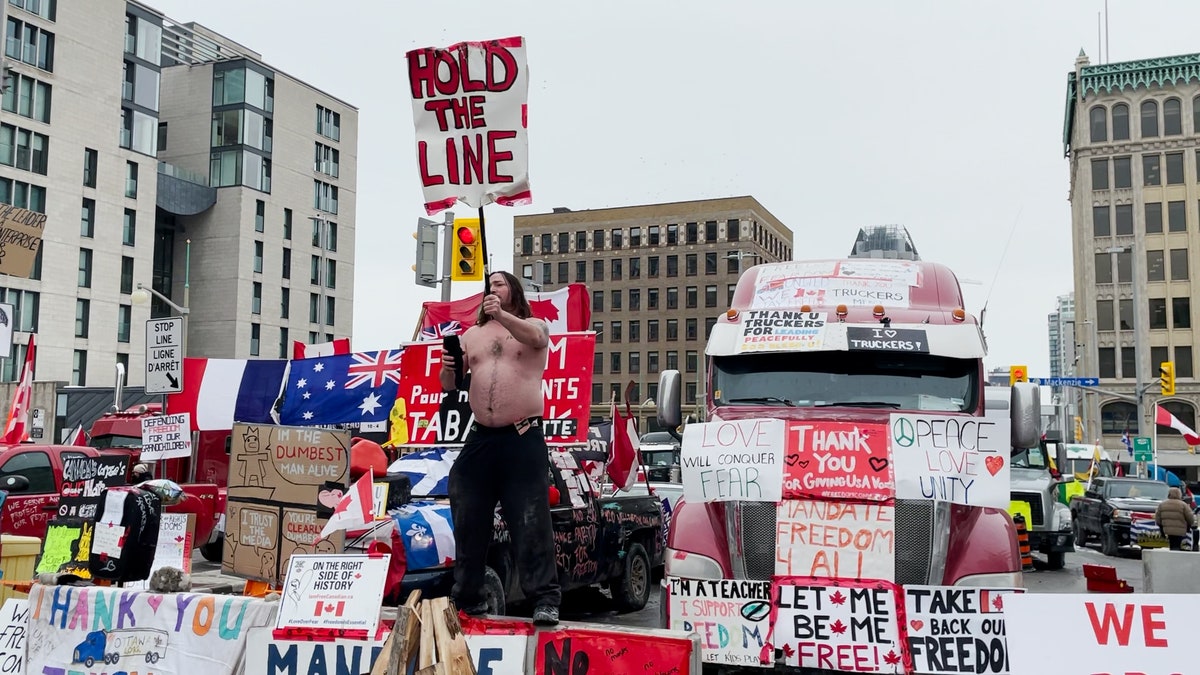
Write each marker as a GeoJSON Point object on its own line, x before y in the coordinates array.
{"type": "Point", "coordinates": [1164, 418]}
{"type": "Point", "coordinates": [17, 429]}
{"type": "Point", "coordinates": [356, 509]}
{"type": "Point", "coordinates": [566, 310]}
{"type": "Point", "coordinates": [303, 351]}
{"type": "Point", "coordinates": [623, 449]}
{"type": "Point", "coordinates": [334, 608]}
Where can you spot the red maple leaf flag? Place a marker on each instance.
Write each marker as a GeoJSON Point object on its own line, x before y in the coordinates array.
{"type": "Point", "coordinates": [335, 609]}
{"type": "Point", "coordinates": [990, 602]}
{"type": "Point", "coordinates": [17, 429]}
{"type": "Point", "coordinates": [623, 449]}
{"type": "Point", "coordinates": [356, 508]}
{"type": "Point", "coordinates": [1164, 418]}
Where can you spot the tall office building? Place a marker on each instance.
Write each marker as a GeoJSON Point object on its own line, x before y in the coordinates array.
{"type": "Point", "coordinates": [1060, 328]}
{"type": "Point", "coordinates": [659, 275]}
{"type": "Point", "coordinates": [134, 134]}
{"type": "Point", "coordinates": [1130, 135]}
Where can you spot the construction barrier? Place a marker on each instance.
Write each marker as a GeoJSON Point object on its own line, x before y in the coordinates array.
{"type": "Point", "coordinates": [1023, 543]}
{"type": "Point", "coordinates": [1170, 572]}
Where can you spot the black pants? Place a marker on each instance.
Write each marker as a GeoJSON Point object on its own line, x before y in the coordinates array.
{"type": "Point", "coordinates": [1175, 541]}
{"type": "Point", "coordinates": [500, 465]}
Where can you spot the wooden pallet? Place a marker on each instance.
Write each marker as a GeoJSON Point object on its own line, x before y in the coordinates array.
{"type": "Point", "coordinates": [428, 634]}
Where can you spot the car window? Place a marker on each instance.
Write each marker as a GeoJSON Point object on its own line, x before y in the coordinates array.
{"type": "Point", "coordinates": [35, 467]}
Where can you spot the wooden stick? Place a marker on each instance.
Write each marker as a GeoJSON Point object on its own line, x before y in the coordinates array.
{"type": "Point", "coordinates": [393, 660]}
{"type": "Point", "coordinates": [428, 648]}
{"type": "Point", "coordinates": [412, 629]}
{"type": "Point", "coordinates": [452, 645]}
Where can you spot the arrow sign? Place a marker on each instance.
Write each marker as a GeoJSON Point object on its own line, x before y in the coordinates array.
{"type": "Point", "coordinates": [1066, 381]}
{"type": "Point", "coordinates": [164, 356]}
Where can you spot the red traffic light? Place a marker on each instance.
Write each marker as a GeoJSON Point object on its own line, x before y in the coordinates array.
{"type": "Point", "coordinates": [465, 235]}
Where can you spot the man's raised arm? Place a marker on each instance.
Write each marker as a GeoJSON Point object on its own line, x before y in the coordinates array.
{"type": "Point", "coordinates": [530, 332]}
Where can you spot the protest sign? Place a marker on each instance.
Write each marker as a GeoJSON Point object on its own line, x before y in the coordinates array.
{"type": "Point", "coordinates": [469, 109]}
{"type": "Point", "coordinates": [838, 460]}
{"type": "Point", "coordinates": [567, 650]}
{"type": "Point", "coordinates": [166, 437]}
{"type": "Point", "coordinates": [957, 629]}
{"type": "Point", "coordinates": [730, 616]}
{"type": "Point", "coordinates": [835, 539]}
{"type": "Point", "coordinates": [284, 482]}
{"type": "Point", "coordinates": [84, 481]}
{"type": "Point", "coordinates": [778, 330]}
{"type": "Point", "coordinates": [735, 460]}
{"type": "Point", "coordinates": [176, 536]}
{"type": "Point", "coordinates": [782, 293]}
{"type": "Point", "coordinates": [1088, 634]}
{"type": "Point", "coordinates": [498, 646]}
{"type": "Point", "coordinates": [435, 418]}
{"type": "Point", "coordinates": [267, 655]}
{"type": "Point", "coordinates": [66, 548]}
{"type": "Point", "coordinates": [14, 624]}
{"type": "Point", "coordinates": [342, 591]}
{"type": "Point", "coordinates": [20, 237]}
{"type": "Point", "coordinates": [848, 627]}
{"type": "Point", "coordinates": [956, 459]}
{"type": "Point", "coordinates": [118, 630]}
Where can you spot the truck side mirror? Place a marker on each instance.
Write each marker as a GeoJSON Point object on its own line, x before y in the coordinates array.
{"type": "Point", "coordinates": [1061, 461]}
{"type": "Point", "coordinates": [1025, 415]}
{"type": "Point", "coordinates": [14, 483]}
{"type": "Point", "coordinates": [669, 412]}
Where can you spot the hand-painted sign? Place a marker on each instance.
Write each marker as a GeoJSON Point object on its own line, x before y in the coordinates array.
{"type": "Point", "coordinates": [1096, 633]}
{"type": "Point", "coordinates": [837, 460]}
{"type": "Point", "coordinates": [265, 654]}
{"type": "Point", "coordinates": [779, 330]}
{"type": "Point", "coordinates": [14, 624]}
{"type": "Point", "coordinates": [848, 627]}
{"type": "Point", "coordinates": [342, 591]}
{"type": "Point", "coordinates": [568, 650]}
{"type": "Point", "coordinates": [735, 460]}
{"type": "Point", "coordinates": [84, 481]}
{"type": "Point", "coordinates": [957, 629]}
{"type": "Point", "coordinates": [840, 540]}
{"type": "Point", "coordinates": [67, 547]}
{"type": "Point", "coordinates": [435, 419]}
{"type": "Point", "coordinates": [21, 233]}
{"type": "Point", "coordinates": [729, 615]}
{"type": "Point", "coordinates": [956, 459]}
{"type": "Point", "coordinates": [498, 646]}
{"type": "Point", "coordinates": [176, 532]}
{"type": "Point", "coordinates": [469, 104]}
{"type": "Point", "coordinates": [887, 340]}
{"type": "Point", "coordinates": [828, 291]}
{"type": "Point", "coordinates": [166, 437]}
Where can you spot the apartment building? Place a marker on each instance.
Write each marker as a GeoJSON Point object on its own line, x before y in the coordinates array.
{"type": "Point", "coordinates": [659, 275]}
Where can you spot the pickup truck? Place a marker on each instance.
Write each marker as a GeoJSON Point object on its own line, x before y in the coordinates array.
{"type": "Point", "coordinates": [1108, 508]}
{"type": "Point", "coordinates": [612, 541]}
{"type": "Point", "coordinates": [33, 476]}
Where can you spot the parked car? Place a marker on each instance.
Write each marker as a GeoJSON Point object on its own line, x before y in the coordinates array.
{"type": "Point", "coordinates": [1111, 508]}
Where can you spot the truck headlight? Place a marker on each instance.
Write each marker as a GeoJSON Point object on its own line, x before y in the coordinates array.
{"type": "Point", "coordinates": [1121, 514]}
{"type": "Point", "coordinates": [1064, 519]}
{"type": "Point", "coordinates": [693, 565]}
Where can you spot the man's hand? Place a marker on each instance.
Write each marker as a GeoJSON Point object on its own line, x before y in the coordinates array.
{"type": "Point", "coordinates": [447, 361]}
{"type": "Point", "coordinates": [491, 306]}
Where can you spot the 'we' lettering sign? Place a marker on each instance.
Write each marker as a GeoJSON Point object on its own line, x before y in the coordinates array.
{"type": "Point", "coordinates": [1100, 634]}
{"type": "Point", "coordinates": [733, 460]}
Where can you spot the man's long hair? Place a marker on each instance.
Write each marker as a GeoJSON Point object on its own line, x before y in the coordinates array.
{"type": "Point", "coordinates": [516, 293]}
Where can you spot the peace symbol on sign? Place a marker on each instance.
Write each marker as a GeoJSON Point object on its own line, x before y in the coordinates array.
{"type": "Point", "coordinates": [903, 433]}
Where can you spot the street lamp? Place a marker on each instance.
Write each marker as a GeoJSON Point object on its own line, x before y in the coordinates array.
{"type": "Point", "coordinates": [739, 254]}
{"type": "Point", "coordinates": [141, 296]}
{"type": "Point", "coordinates": [539, 273]}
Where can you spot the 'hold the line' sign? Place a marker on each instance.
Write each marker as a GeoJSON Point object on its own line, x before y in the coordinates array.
{"type": "Point", "coordinates": [734, 460]}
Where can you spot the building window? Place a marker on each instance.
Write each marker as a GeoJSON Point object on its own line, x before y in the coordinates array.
{"type": "Point", "coordinates": [616, 239]}
{"type": "Point", "coordinates": [564, 269]}
{"type": "Point", "coordinates": [710, 230]}
{"type": "Point", "coordinates": [286, 271]}
{"type": "Point", "coordinates": [652, 299]}
{"type": "Point", "coordinates": [1124, 219]}
{"type": "Point", "coordinates": [672, 266]}
{"type": "Point", "coordinates": [1120, 122]}
{"type": "Point", "coordinates": [597, 301]}
{"type": "Point", "coordinates": [258, 257]}
{"type": "Point", "coordinates": [131, 180]}
{"type": "Point", "coordinates": [314, 313]}
{"type": "Point", "coordinates": [692, 297]}
{"type": "Point", "coordinates": [1158, 313]}
{"type": "Point", "coordinates": [709, 324]}
{"type": "Point", "coordinates": [1172, 117]}
{"type": "Point", "coordinates": [635, 268]}
{"type": "Point", "coordinates": [325, 197]}
{"type": "Point", "coordinates": [1183, 363]}
{"type": "Point", "coordinates": [329, 123]}
{"type": "Point", "coordinates": [564, 242]}
{"type": "Point", "coordinates": [635, 238]}
{"type": "Point", "coordinates": [29, 44]}
{"type": "Point", "coordinates": [616, 269]}
{"type": "Point", "coordinates": [614, 363]}
{"type": "Point", "coordinates": [1179, 264]}
{"type": "Point", "coordinates": [598, 363]}
{"type": "Point", "coordinates": [635, 364]}
{"type": "Point", "coordinates": [547, 242]}
{"type": "Point", "coordinates": [580, 241]}
{"type": "Point", "coordinates": [651, 362]}
{"type": "Point", "coordinates": [672, 234]}
{"type": "Point", "coordinates": [90, 160]}
{"type": "Point", "coordinates": [527, 244]}
{"type": "Point", "coordinates": [545, 274]}
{"type": "Point", "coordinates": [598, 329]}
{"type": "Point", "coordinates": [1100, 174]}
{"type": "Point", "coordinates": [23, 149]}
{"type": "Point", "coordinates": [672, 298]}
{"type": "Point", "coordinates": [652, 267]}
{"type": "Point", "coordinates": [1159, 354]}
{"type": "Point", "coordinates": [729, 291]}
{"type": "Point", "coordinates": [330, 311]}
{"type": "Point", "coordinates": [1103, 266]}
{"type": "Point", "coordinates": [616, 300]}
{"type": "Point", "coordinates": [87, 219]}
{"type": "Point", "coordinates": [1125, 314]}
{"type": "Point", "coordinates": [28, 97]}
{"type": "Point", "coordinates": [1155, 269]}
{"type": "Point", "coordinates": [1181, 313]}
{"type": "Point", "coordinates": [635, 331]}
{"type": "Point", "coordinates": [581, 271]}
{"type": "Point", "coordinates": [1101, 224]}
{"type": "Point", "coordinates": [672, 330]}
{"type": "Point", "coordinates": [635, 299]}
{"type": "Point", "coordinates": [1151, 173]}
{"type": "Point", "coordinates": [1174, 168]}
{"type": "Point", "coordinates": [1176, 217]}
{"type": "Point", "coordinates": [691, 266]}
{"type": "Point", "coordinates": [260, 215]}
{"type": "Point", "coordinates": [1119, 417]}
{"type": "Point", "coordinates": [314, 270]}
{"type": "Point", "coordinates": [598, 240]}
{"type": "Point", "coordinates": [672, 361]}
{"type": "Point", "coordinates": [255, 334]}
{"type": "Point", "coordinates": [256, 298]}
{"type": "Point", "coordinates": [1122, 174]}
{"type": "Point", "coordinates": [692, 233]}
{"type": "Point", "coordinates": [710, 296]}
{"type": "Point", "coordinates": [1104, 315]}
{"type": "Point", "coordinates": [653, 235]}
{"type": "Point", "coordinates": [82, 310]}
{"type": "Point", "coordinates": [710, 262]}
{"type": "Point", "coordinates": [692, 360]}
{"type": "Point", "coordinates": [126, 274]}
{"type": "Point", "coordinates": [1153, 217]}
{"type": "Point", "coordinates": [284, 346]}
{"type": "Point", "coordinates": [124, 323]}
{"type": "Point", "coordinates": [129, 228]}
{"type": "Point", "coordinates": [652, 330]}
{"type": "Point", "coordinates": [79, 368]}
{"type": "Point", "coordinates": [731, 229]}
{"type": "Point", "coordinates": [597, 270]}
{"type": "Point", "coordinates": [1149, 119]}
{"type": "Point", "coordinates": [85, 268]}
{"type": "Point", "coordinates": [1099, 124]}
{"type": "Point", "coordinates": [690, 329]}
{"type": "Point", "coordinates": [326, 160]}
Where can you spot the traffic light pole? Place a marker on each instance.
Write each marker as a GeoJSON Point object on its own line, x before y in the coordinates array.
{"type": "Point", "coordinates": [447, 253]}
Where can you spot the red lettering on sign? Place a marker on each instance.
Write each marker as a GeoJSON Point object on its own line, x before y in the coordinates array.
{"type": "Point", "coordinates": [1121, 625]}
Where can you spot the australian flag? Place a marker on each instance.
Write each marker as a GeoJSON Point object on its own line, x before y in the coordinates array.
{"type": "Point", "coordinates": [341, 388]}
{"type": "Point", "coordinates": [441, 330]}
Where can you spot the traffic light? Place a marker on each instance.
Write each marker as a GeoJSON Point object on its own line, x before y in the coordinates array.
{"type": "Point", "coordinates": [427, 253]}
{"type": "Point", "coordinates": [467, 261]}
{"type": "Point", "coordinates": [1017, 374]}
{"type": "Point", "coordinates": [1166, 370]}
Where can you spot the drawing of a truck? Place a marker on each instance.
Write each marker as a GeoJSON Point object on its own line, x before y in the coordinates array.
{"type": "Point", "coordinates": [112, 646]}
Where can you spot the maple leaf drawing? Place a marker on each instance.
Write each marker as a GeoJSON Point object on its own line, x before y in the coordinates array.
{"type": "Point", "coordinates": [838, 627]}
{"type": "Point", "coordinates": [837, 598]}
{"type": "Point", "coordinates": [788, 651]}
{"type": "Point", "coordinates": [891, 658]}
{"type": "Point", "coordinates": [998, 602]}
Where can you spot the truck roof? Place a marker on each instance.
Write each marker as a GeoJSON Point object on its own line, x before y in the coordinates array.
{"type": "Point", "coordinates": [900, 305]}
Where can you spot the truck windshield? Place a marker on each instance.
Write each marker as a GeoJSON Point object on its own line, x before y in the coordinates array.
{"type": "Point", "coordinates": [1029, 458]}
{"type": "Point", "coordinates": [834, 378]}
{"type": "Point", "coordinates": [109, 441]}
{"type": "Point", "coordinates": [1136, 489]}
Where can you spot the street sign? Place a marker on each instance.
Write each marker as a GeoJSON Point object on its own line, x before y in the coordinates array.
{"type": "Point", "coordinates": [1066, 381]}
{"type": "Point", "coordinates": [1142, 450]}
{"type": "Point", "coordinates": [164, 355]}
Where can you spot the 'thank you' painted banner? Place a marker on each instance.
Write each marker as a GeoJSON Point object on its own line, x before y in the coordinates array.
{"type": "Point", "coordinates": [947, 458]}
{"type": "Point", "coordinates": [734, 460]}
{"type": "Point", "coordinates": [838, 460]}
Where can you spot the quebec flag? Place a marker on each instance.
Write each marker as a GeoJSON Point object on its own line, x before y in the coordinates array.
{"type": "Point", "coordinates": [427, 531]}
{"type": "Point", "coordinates": [427, 470]}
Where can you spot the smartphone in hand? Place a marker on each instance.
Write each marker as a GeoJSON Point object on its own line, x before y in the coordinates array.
{"type": "Point", "coordinates": [452, 346]}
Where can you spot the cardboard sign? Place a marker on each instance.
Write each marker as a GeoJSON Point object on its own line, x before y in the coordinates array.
{"type": "Point", "coordinates": [84, 481]}
{"type": "Point", "coordinates": [849, 627]}
{"type": "Point", "coordinates": [469, 111]}
{"type": "Point", "coordinates": [730, 616]}
{"type": "Point", "coordinates": [341, 591]}
{"type": "Point", "coordinates": [166, 437]}
{"type": "Point", "coordinates": [956, 459]}
{"type": "Point", "coordinates": [838, 460]}
{"type": "Point", "coordinates": [569, 650]}
{"type": "Point", "coordinates": [434, 419]}
{"type": "Point", "coordinates": [284, 482]}
{"type": "Point", "coordinates": [1097, 633]}
{"type": "Point", "coordinates": [267, 655]}
{"type": "Point", "coordinates": [163, 634]}
{"type": "Point", "coordinates": [840, 540]}
{"type": "Point", "coordinates": [957, 629]}
{"type": "Point", "coordinates": [176, 538]}
{"type": "Point", "coordinates": [777, 330]}
{"type": "Point", "coordinates": [66, 547]}
{"type": "Point", "coordinates": [14, 623]}
{"type": "Point", "coordinates": [735, 460]}
{"type": "Point", "coordinates": [20, 238]}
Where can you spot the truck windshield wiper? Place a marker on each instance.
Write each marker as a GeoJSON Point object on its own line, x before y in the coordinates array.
{"type": "Point", "coordinates": [859, 404]}
{"type": "Point", "coordinates": [762, 399]}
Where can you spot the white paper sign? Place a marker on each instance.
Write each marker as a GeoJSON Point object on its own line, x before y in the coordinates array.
{"type": "Point", "coordinates": [781, 330]}
{"type": "Point", "coordinates": [265, 654]}
{"type": "Point", "coordinates": [107, 539]}
{"type": "Point", "coordinates": [734, 460]}
{"type": "Point", "coordinates": [1096, 633]}
{"type": "Point", "coordinates": [333, 591]}
{"type": "Point", "coordinates": [731, 616]}
{"type": "Point", "coordinates": [852, 628]}
{"type": "Point", "coordinates": [469, 111]}
{"type": "Point", "coordinates": [498, 654]}
{"type": "Point", "coordinates": [166, 437]}
{"type": "Point", "coordinates": [14, 623]}
{"type": "Point", "coordinates": [957, 629]}
{"type": "Point", "coordinates": [841, 540]}
{"type": "Point", "coordinates": [959, 459]}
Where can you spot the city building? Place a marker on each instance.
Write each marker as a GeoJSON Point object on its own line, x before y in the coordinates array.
{"type": "Point", "coordinates": [1130, 137]}
{"type": "Point", "coordinates": [658, 274]}
{"type": "Point", "coordinates": [136, 134]}
{"type": "Point", "coordinates": [1060, 327]}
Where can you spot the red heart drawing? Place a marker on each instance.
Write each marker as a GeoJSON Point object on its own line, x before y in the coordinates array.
{"type": "Point", "coordinates": [994, 463]}
{"type": "Point", "coordinates": [802, 465]}
{"type": "Point", "coordinates": [357, 575]}
{"type": "Point", "coordinates": [917, 624]}
{"type": "Point", "coordinates": [791, 459]}
{"type": "Point", "coordinates": [878, 463]}
{"type": "Point", "coordinates": [330, 498]}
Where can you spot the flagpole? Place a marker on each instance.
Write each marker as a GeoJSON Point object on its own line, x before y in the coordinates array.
{"type": "Point", "coordinates": [1154, 440]}
{"type": "Point", "coordinates": [483, 247]}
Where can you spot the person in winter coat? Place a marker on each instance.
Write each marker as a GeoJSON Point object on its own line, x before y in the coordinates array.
{"type": "Point", "coordinates": [1174, 518]}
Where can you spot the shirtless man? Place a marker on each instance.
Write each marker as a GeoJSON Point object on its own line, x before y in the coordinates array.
{"type": "Point", "coordinates": [505, 457]}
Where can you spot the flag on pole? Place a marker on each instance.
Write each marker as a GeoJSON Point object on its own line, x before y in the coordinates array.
{"type": "Point", "coordinates": [76, 436]}
{"type": "Point", "coordinates": [303, 351]}
{"type": "Point", "coordinates": [1163, 417]}
{"type": "Point", "coordinates": [356, 508]}
{"type": "Point", "coordinates": [17, 429]}
{"type": "Point", "coordinates": [1127, 442]}
{"type": "Point", "coordinates": [623, 448]}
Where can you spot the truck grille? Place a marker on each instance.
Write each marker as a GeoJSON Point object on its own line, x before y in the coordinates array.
{"type": "Point", "coordinates": [918, 553]}
{"type": "Point", "coordinates": [1034, 500]}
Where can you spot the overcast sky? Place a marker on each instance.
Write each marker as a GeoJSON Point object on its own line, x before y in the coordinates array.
{"type": "Point", "coordinates": [945, 117]}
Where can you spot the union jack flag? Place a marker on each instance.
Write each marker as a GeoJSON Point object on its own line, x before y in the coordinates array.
{"type": "Point", "coordinates": [440, 331]}
{"type": "Point", "coordinates": [374, 367]}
